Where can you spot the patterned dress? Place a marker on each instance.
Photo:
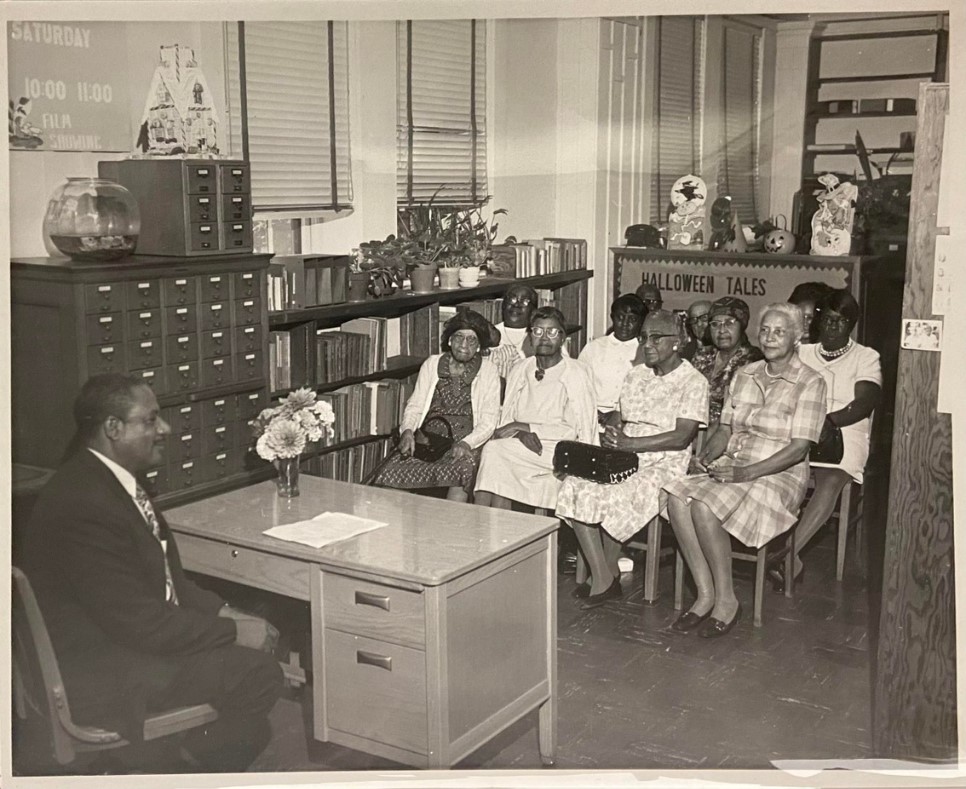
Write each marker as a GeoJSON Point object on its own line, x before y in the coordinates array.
{"type": "Point", "coordinates": [451, 401]}
{"type": "Point", "coordinates": [704, 363]}
{"type": "Point", "coordinates": [650, 404]}
{"type": "Point", "coordinates": [764, 413]}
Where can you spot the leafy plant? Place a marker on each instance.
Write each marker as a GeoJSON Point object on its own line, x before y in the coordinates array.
{"type": "Point", "coordinates": [449, 237]}
{"type": "Point", "coordinates": [883, 199]}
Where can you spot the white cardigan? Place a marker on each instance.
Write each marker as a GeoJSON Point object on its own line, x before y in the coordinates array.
{"type": "Point", "coordinates": [484, 395]}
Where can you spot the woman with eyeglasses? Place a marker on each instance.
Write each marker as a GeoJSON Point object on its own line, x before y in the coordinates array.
{"type": "Point", "coordinates": [753, 469]}
{"type": "Point", "coordinates": [853, 380]}
{"type": "Point", "coordinates": [457, 394]}
{"type": "Point", "coordinates": [729, 350]}
{"type": "Point", "coordinates": [549, 398]}
{"type": "Point", "coordinates": [663, 402]}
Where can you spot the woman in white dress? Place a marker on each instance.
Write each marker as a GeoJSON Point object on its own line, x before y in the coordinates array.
{"type": "Point", "coordinates": [663, 402]}
{"type": "Point", "coordinates": [853, 381]}
{"type": "Point", "coordinates": [549, 398]}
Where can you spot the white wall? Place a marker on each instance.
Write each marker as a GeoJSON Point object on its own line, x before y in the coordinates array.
{"type": "Point", "coordinates": [34, 175]}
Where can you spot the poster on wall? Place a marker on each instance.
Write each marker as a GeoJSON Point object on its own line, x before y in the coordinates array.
{"type": "Point", "coordinates": [67, 83]}
{"type": "Point", "coordinates": [759, 280]}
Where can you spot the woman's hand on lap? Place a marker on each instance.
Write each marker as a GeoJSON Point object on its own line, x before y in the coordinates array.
{"type": "Point", "coordinates": [531, 441]}
{"type": "Point", "coordinates": [407, 443]}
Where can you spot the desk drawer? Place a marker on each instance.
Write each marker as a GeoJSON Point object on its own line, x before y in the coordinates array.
{"type": "Point", "coordinates": [375, 610]}
{"type": "Point", "coordinates": [376, 690]}
{"type": "Point", "coordinates": [288, 577]}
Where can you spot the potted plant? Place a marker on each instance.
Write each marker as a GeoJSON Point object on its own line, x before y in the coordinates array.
{"type": "Point", "coordinates": [384, 262]}
{"type": "Point", "coordinates": [477, 234]}
{"type": "Point", "coordinates": [882, 204]}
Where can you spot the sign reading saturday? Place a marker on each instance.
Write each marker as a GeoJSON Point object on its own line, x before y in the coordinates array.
{"type": "Point", "coordinates": [67, 84]}
{"type": "Point", "coordinates": [758, 279]}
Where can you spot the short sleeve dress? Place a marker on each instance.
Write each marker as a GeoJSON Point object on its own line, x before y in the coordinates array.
{"type": "Point", "coordinates": [764, 413]}
{"type": "Point", "coordinates": [649, 404]}
{"type": "Point", "coordinates": [704, 363]}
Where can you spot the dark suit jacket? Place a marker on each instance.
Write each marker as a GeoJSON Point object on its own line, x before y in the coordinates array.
{"type": "Point", "coordinates": [98, 573]}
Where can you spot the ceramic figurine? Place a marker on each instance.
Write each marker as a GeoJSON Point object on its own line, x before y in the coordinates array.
{"type": "Point", "coordinates": [832, 223]}
{"type": "Point", "coordinates": [721, 222]}
{"type": "Point", "coordinates": [686, 223]}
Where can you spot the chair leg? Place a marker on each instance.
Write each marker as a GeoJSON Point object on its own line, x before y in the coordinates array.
{"type": "Point", "coordinates": [790, 564]}
{"type": "Point", "coordinates": [845, 502]}
{"type": "Point", "coordinates": [678, 580]}
{"type": "Point", "coordinates": [652, 561]}
{"type": "Point", "coordinates": [759, 584]}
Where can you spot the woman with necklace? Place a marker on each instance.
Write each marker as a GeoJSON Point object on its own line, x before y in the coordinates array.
{"type": "Point", "coordinates": [729, 350]}
{"type": "Point", "coordinates": [457, 394]}
{"type": "Point", "coordinates": [754, 469]}
{"type": "Point", "coordinates": [853, 379]}
{"type": "Point", "coordinates": [662, 404]}
{"type": "Point", "coordinates": [549, 398]}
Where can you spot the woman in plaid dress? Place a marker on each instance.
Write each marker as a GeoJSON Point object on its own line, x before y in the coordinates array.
{"type": "Point", "coordinates": [754, 469]}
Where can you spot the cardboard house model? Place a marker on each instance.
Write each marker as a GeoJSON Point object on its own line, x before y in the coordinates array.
{"type": "Point", "coordinates": [179, 115]}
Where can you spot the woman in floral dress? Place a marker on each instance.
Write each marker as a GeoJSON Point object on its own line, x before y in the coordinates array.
{"type": "Point", "coordinates": [459, 389]}
{"type": "Point", "coordinates": [662, 404]}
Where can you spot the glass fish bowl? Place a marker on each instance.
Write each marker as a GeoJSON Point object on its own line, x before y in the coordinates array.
{"type": "Point", "coordinates": [92, 219]}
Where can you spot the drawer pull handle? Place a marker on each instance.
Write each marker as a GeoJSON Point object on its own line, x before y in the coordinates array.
{"type": "Point", "coordinates": [372, 659]}
{"type": "Point", "coordinates": [234, 554]}
{"type": "Point", "coordinates": [375, 600]}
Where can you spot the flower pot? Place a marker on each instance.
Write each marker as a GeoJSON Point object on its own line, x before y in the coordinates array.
{"type": "Point", "coordinates": [358, 285]}
{"type": "Point", "coordinates": [449, 278]}
{"type": "Point", "coordinates": [288, 477]}
{"type": "Point", "coordinates": [92, 219]}
{"type": "Point", "coordinates": [422, 278]}
{"type": "Point", "coordinates": [469, 277]}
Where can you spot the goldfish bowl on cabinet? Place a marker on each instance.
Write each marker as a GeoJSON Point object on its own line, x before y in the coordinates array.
{"type": "Point", "coordinates": [92, 219]}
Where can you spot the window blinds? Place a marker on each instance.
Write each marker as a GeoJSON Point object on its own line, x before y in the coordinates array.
{"type": "Point", "coordinates": [441, 112]}
{"type": "Point", "coordinates": [295, 129]}
{"type": "Point", "coordinates": [742, 100]}
{"type": "Point", "coordinates": [679, 110]}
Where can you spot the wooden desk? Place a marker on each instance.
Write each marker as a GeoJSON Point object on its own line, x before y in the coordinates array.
{"type": "Point", "coordinates": [429, 636]}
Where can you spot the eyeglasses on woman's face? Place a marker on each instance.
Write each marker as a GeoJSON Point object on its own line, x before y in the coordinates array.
{"type": "Point", "coordinates": [465, 340]}
{"type": "Point", "coordinates": [653, 338]}
{"type": "Point", "coordinates": [723, 323]}
{"type": "Point", "coordinates": [551, 332]}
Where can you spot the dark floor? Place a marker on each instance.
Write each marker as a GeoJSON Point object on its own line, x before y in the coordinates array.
{"type": "Point", "coordinates": [633, 694]}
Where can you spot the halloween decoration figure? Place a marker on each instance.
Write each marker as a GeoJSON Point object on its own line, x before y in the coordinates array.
{"type": "Point", "coordinates": [779, 242]}
{"type": "Point", "coordinates": [721, 223]}
{"type": "Point", "coordinates": [832, 223]}
{"type": "Point", "coordinates": [686, 222]}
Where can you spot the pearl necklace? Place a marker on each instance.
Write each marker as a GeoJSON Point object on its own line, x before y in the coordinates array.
{"type": "Point", "coordinates": [829, 355]}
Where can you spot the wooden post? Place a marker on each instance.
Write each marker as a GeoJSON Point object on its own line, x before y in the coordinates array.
{"type": "Point", "coordinates": [914, 710]}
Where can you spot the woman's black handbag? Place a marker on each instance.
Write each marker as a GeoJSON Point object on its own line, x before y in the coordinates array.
{"type": "Point", "coordinates": [430, 447]}
{"type": "Point", "coordinates": [830, 446]}
{"type": "Point", "coordinates": [598, 464]}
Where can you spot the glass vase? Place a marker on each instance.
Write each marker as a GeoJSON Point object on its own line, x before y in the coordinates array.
{"type": "Point", "coordinates": [288, 477]}
{"type": "Point", "coordinates": [92, 219]}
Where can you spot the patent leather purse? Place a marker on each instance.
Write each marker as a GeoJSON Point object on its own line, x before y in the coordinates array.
{"type": "Point", "coordinates": [597, 464]}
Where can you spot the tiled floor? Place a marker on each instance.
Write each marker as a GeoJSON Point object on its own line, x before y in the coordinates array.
{"type": "Point", "coordinates": [633, 694]}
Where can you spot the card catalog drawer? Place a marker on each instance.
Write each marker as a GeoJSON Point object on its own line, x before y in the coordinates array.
{"type": "Point", "coordinates": [182, 347]}
{"type": "Point", "coordinates": [214, 287]}
{"type": "Point", "coordinates": [221, 464]}
{"type": "Point", "coordinates": [181, 320]}
{"type": "Point", "coordinates": [184, 475]}
{"type": "Point", "coordinates": [216, 372]}
{"type": "Point", "coordinates": [238, 208]}
{"type": "Point", "coordinates": [183, 418]}
{"type": "Point", "coordinates": [215, 343]}
{"type": "Point", "coordinates": [186, 446]}
{"type": "Point", "coordinates": [376, 690]}
{"type": "Point", "coordinates": [183, 377]}
{"type": "Point", "coordinates": [288, 577]}
{"type": "Point", "coordinates": [156, 481]}
{"type": "Point", "coordinates": [218, 438]}
{"type": "Point", "coordinates": [250, 404]}
{"type": "Point", "coordinates": [235, 179]}
{"type": "Point", "coordinates": [153, 377]}
{"type": "Point", "coordinates": [143, 294]}
{"type": "Point", "coordinates": [215, 316]}
{"type": "Point", "coordinates": [218, 411]}
{"type": "Point", "coordinates": [104, 329]}
{"type": "Point", "coordinates": [373, 609]}
{"type": "Point", "coordinates": [238, 236]}
{"type": "Point", "coordinates": [204, 236]}
{"type": "Point", "coordinates": [144, 353]}
{"type": "Point", "coordinates": [202, 208]}
{"type": "Point", "coordinates": [246, 285]}
{"type": "Point", "coordinates": [105, 359]}
{"type": "Point", "coordinates": [180, 290]}
{"type": "Point", "coordinates": [201, 179]}
{"type": "Point", "coordinates": [248, 312]}
{"type": "Point", "coordinates": [103, 298]}
{"type": "Point", "coordinates": [248, 338]}
{"type": "Point", "coordinates": [248, 366]}
{"type": "Point", "coordinates": [143, 324]}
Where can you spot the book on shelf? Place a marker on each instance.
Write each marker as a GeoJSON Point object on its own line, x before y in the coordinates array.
{"type": "Point", "coordinates": [298, 281]}
{"type": "Point", "coordinates": [352, 464]}
{"type": "Point", "coordinates": [547, 256]}
{"type": "Point", "coordinates": [367, 409]}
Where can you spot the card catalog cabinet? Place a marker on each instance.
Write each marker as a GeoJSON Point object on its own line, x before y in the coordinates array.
{"type": "Point", "coordinates": [196, 333]}
{"type": "Point", "coordinates": [196, 207]}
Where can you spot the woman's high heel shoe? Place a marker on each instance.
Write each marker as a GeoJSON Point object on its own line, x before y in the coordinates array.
{"type": "Point", "coordinates": [688, 621]}
{"type": "Point", "coordinates": [714, 628]}
{"type": "Point", "coordinates": [612, 592]}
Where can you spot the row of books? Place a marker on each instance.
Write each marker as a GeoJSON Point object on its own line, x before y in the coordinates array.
{"type": "Point", "coordinates": [372, 408]}
{"type": "Point", "coordinates": [352, 464]}
{"type": "Point", "coordinates": [544, 256]}
{"type": "Point", "coordinates": [308, 356]}
{"type": "Point", "coordinates": [297, 281]}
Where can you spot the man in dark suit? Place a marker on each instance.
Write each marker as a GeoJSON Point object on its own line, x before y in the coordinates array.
{"type": "Point", "coordinates": [132, 634]}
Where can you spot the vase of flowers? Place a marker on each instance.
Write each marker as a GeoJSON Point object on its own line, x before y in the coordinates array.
{"type": "Point", "coordinates": [284, 431]}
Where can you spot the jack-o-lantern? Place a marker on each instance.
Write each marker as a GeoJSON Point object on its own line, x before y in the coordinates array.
{"type": "Point", "coordinates": [780, 242]}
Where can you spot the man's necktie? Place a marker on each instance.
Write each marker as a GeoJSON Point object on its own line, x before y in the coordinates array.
{"type": "Point", "coordinates": [151, 519]}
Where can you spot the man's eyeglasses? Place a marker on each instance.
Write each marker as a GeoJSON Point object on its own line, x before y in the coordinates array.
{"type": "Point", "coordinates": [519, 301]}
{"type": "Point", "coordinates": [644, 339]}
{"type": "Point", "coordinates": [723, 323]}
{"type": "Point", "coordinates": [551, 332]}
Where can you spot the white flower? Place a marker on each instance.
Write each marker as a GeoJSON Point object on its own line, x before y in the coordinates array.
{"type": "Point", "coordinates": [284, 438]}
{"type": "Point", "coordinates": [284, 430]}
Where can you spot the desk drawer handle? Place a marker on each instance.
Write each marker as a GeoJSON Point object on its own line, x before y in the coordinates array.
{"type": "Point", "coordinates": [372, 659]}
{"type": "Point", "coordinates": [377, 601]}
{"type": "Point", "coordinates": [234, 554]}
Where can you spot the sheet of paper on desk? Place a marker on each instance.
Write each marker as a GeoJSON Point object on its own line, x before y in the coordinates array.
{"type": "Point", "coordinates": [323, 529]}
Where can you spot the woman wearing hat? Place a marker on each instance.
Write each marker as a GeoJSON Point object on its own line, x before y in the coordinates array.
{"type": "Point", "coordinates": [729, 350]}
{"type": "Point", "coordinates": [457, 393]}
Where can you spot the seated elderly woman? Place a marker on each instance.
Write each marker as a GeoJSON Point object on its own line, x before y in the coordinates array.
{"type": "Point", "coordinates": [853, 379]}
{"type": "Point", "coordinates": [457, 391]}
{"type": "Point", "coordinates": [662, 403]}
{"type": "Point", "coordinates": [729, 349]}
{"type": "Point", "coordinates": [549, 398]}
{"type": "Point", "coordinates": [756, 465]}
{"type": "Point", "coordinates": [610, 358]}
